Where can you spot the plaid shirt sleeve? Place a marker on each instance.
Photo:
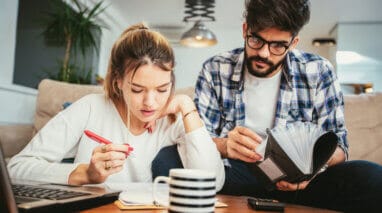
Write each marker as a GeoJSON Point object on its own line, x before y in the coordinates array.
{"type": "Point", "coordinates": [206, 99]}
{"type": "Point", "coordinates": [329, 104]}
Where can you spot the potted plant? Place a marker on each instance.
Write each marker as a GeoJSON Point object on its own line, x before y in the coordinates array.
{"type": "Point", "coordinates": [75, 29]}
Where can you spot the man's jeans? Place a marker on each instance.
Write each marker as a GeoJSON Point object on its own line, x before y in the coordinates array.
{"type": "Point", "coordinates": [352, 186]}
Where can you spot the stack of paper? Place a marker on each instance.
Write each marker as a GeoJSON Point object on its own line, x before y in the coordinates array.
{"type": "Point", "coordinates": [140, 195]}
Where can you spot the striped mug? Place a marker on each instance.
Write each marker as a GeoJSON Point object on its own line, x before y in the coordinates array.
{"type": "Point", "coordinates": [190, 190]}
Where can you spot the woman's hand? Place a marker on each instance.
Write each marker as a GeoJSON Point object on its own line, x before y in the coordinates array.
{"type": "Point", "coordinates": [177, 103]}
{"type": "Point", "coordinates": [105, 161]}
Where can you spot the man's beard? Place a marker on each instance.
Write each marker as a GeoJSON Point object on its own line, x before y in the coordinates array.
{"type": "Point", "coordinates": [257, 73]}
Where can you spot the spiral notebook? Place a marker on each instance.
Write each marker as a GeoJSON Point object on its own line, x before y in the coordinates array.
{"type": "Point", "coordinates": [294, 153]}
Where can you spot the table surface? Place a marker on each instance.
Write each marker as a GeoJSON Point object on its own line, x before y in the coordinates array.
{"type": "Point", "coordinates": [235, 204]}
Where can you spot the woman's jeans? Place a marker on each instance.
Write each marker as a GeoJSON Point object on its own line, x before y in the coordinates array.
{"type": "Point", "coordinates": [352, 186]}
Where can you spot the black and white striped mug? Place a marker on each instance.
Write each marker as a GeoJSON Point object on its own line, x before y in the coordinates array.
{"type": "Point", "coordinates": [190, 190]}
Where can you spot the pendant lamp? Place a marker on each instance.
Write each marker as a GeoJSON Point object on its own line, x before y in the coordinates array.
{"type": "Point", "coordinates": [199, 35]}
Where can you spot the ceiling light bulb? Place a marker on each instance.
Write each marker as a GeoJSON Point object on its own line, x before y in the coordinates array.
{"type": "Point", "coordinates": [198, 36]}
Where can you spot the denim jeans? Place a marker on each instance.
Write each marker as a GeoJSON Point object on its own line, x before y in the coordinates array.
{"type": "Point", "coordinates": [167, 158]}
{"type": "Point", "coordinates": [352, 186]}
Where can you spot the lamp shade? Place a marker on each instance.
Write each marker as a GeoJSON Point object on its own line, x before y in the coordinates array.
{"type": "Point", "coordinates": [198, 36]}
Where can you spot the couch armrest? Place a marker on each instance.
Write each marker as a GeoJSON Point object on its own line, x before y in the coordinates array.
{"type": "Point", "coordinates": [13, 138]}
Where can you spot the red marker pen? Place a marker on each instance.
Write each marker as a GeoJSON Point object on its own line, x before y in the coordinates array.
{"type": "Point", "coordinates": [96, 137]}
{"type": "Point", "coordinates": [101, 140]}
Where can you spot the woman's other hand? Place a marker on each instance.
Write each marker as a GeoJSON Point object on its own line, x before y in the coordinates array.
{"type": "Point", "coordinates": [177, 103]}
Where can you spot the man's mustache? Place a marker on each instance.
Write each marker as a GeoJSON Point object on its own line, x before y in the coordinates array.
{"type": "Point", "coordinates": [260, 59]}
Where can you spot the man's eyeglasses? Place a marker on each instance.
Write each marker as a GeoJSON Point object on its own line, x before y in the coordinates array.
{"type": "Point", "coordinates": [278, 48]}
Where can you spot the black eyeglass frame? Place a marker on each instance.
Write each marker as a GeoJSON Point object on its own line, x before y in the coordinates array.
{"type": "Point", "coordinates": [269, 43]}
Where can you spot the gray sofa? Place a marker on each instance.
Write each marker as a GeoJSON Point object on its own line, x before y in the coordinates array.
{"type": "Point", "coordinates": [363, 115]}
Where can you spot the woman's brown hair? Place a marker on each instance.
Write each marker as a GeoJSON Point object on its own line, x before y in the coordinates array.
{"type": "Point", "coordinates": [137, 46]}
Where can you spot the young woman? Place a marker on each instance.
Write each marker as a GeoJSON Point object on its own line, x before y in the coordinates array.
{"type": "Point", "coordinates": [139, 90]}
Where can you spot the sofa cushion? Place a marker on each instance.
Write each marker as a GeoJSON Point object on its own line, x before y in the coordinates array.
{"type": "Point", "coordinates": [53, 94]}
{"type": "Point", "coordinates": [13, 138]}
{"type": "Point", "coordinates": [363, 117]}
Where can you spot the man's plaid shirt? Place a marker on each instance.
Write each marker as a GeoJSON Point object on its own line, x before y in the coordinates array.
{"type": "Point", "coordinates": [309, 92]}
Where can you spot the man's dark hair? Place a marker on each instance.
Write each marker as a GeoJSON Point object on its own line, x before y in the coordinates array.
{"type": "Point", "coordinates": [285, 15]}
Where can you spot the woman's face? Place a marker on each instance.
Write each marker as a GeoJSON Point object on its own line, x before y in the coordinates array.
{"type": "Point", "coordinates": [146, 94]}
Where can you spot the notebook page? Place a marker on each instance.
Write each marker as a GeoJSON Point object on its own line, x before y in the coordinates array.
{"type": "Point", "coordinates": [297, 140]}
{"type": "Point", "coordinates": [139, 193]}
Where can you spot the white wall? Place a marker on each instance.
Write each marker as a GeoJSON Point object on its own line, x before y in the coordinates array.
{"type": "Point", "coordinates": [114, 27]}
{"type": "Point", "coordinates": [189, 61]}
{"type": "Point", "coordinates": [17, 102]}
{"type": "Point", "coordinates": [306, 45]}
{"type": "Point", "coordinates": [8, 24]}
{"type": "Point", "coordinates": [18, 105]}
{"type": "Point", "coordinates": [363, 39]}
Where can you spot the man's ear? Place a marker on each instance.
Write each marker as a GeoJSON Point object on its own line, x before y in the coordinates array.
{"type": "Point", "coordinates": [294, 42]}
{"type": "Point", "coordinates": [245, 28]}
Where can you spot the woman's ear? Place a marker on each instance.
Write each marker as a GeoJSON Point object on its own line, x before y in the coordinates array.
{"type": "Point", "coordinates": [119, 84]}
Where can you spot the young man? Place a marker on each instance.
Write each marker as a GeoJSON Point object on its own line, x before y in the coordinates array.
{"type": "Point", "coordinates": [269, 83]}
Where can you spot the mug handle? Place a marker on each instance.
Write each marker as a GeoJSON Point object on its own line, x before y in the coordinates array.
{"type": "Point", "coordinates": [155, 198]}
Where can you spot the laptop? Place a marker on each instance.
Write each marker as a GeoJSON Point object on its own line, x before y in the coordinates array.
{"type": "Point", "coordinates": [26, 196]}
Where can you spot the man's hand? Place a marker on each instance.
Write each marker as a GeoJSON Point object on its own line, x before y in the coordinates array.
{"type": "Point", "coordinates": [337, 157]}
{"type": "Point", "coordinates": [286, 186]}
{"type": "Point", "coordinates": [241, 144]}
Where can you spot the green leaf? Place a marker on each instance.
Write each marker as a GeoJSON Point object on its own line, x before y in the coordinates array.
{"type": "Point", "coordinates": [78, 25]}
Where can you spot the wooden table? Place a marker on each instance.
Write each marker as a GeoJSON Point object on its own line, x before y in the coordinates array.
{"type": "Point", "coordinates": [235, 204]}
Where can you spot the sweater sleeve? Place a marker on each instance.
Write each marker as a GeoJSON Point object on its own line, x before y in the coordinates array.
{"type": "Point", "coordinates": [41, 159]}
{"type": "Point", "coordinates": [198, 151]}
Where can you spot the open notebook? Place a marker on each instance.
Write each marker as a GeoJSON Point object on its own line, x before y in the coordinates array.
{"type": "Point", "coordinates": [294, 153]}
{"type": "Point", "coordinates": [25, 196]}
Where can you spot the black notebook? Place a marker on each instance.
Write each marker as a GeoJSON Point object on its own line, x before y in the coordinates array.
{"type": "Point", "coordinates": [294, 153]}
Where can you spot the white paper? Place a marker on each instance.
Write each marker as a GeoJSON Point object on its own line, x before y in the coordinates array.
{"type": "Point", "coordinates": [297, 140]}
{"type": "Point", "coordinates": [260, 149]}
{"type": "Point", "coordinates": [141, 193]}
